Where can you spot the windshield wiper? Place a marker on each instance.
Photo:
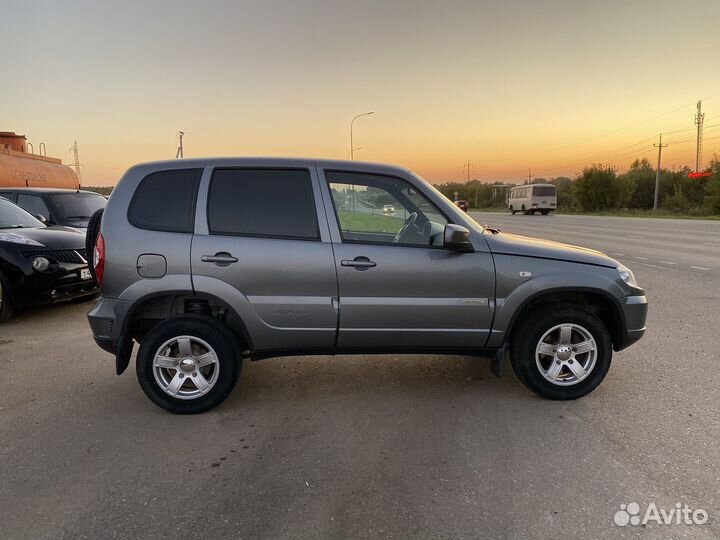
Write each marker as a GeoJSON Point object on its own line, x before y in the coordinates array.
{"type": "Point", "coordinates": [77, 217]}
{"type": "Point", "coordinates": [493, 230]}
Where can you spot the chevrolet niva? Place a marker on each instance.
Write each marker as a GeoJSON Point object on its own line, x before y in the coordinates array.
{"type": "Point", "coordinates": [197, 268]}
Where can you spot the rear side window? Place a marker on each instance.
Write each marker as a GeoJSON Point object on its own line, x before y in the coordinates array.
{"type": "Point", "coordinates": [262, 202]}
{"type": "Point", "coordinates": [165, 201]}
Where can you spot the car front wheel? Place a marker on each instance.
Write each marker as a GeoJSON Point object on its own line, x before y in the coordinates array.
{"type": "Point", "coordinates": [561, 353]}
{"type": "Point", "coordinates": [188, 364]}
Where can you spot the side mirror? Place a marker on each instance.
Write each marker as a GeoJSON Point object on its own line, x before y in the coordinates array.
{"type": "Point", "coordinates": [40, 217]}
{"type": "Point", "coordinates": [457, 238]}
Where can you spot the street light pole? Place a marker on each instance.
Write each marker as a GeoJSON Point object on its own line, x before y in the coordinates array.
{"type": "Point", "coordinates": [352, 147]}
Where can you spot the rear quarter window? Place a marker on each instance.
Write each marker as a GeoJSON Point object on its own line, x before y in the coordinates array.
{"type": "Point", "coordinates": [165, 201]}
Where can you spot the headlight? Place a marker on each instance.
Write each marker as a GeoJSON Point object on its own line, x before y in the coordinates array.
{"type": "Point", "coordinates": [17, 239]}
{"type": "Point", "coordinates": [627, 276]}
{"type": "Point", "coordinates": [40, 264]}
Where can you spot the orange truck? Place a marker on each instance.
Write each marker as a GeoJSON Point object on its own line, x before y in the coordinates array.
{"type": "Point", "coordinates": [20, 168]}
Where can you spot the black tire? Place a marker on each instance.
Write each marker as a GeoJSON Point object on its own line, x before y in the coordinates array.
{"type": "Point", "coordinates": [212, 332]}
{"type": "Point", "coordinates": [512, 211]}
{"type": "Point", "coordinates": [527, 336]}
{"type": "Point", "coordinates": [544, 212]}
{"type": "Point", "coordinates": [7, 307]}
{"type": "Point", "coordinates": [91, 238]}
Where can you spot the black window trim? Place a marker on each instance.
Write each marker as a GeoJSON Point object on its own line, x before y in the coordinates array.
{"type": "Point", "coordinates": [191, 227]}
{"type": "Point", "coordinates": [367, 243]}
{"type": "Point", "coordinates": [257, 235]}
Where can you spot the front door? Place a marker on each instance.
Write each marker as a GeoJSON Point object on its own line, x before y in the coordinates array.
{"type": "Point", "coordinates": [398, 286]}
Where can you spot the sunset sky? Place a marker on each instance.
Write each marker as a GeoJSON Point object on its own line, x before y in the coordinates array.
{"type": "Point", "coordinates": [507, 85]}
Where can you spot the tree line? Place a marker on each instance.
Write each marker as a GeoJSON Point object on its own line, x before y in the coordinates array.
{"type": "Point", "coordinates": [601, 188]}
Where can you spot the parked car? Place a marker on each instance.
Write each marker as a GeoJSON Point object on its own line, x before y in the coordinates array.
{"type": "Point", "coordinates": [197, 269]}
{"type": "Point", "coordinates": [388, 209]}
{"type": "Point", "coordinates": [39, 264]}
{"type": "Point", "coordinates": [462, 205]}
{"type": "Point", "coordinates": [66, 207]}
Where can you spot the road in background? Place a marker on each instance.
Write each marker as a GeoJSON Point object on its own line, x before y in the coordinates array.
{"type": "Point", "coordinates": [669, 244]}
{"type": "Point", "coordinates": [386, 446]}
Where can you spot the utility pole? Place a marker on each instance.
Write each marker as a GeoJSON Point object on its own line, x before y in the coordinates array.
{"type": "Point", "coordinates": [659, 146]}
{"type": "Point", "coordinates": [179, 153]}
{"type": "Point", "coordinates": [468, 166]}
{"type": "Point", "coordinates": [699, 119]}
{"type": "Point", "coordinates": [530, 177]}
{"type": "Point", "coordinates": [76, 162]}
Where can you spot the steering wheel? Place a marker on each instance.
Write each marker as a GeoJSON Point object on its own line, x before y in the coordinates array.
{"type": "Point", "coordinates": [409, 222]}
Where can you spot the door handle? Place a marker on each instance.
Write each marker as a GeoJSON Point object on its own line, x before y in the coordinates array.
{"type": "Point", "coordinates": [359, 263]}
{"type": "Point", "coordinates": [222, 258]}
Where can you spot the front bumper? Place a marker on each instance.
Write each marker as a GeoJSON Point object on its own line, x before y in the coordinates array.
{"type": "Point", "coordinates": [65, 283]}
{"type": "Point", "coordinates": [634, 310]}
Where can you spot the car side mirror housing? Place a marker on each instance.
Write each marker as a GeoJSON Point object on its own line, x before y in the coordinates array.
{"type": "Point", "coordinates": [457, 238]}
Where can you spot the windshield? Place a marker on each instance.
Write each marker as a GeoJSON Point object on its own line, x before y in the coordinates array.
{"type": "Point", "coordinates": [14, 217]}
{"type": "Point", "coordinates": [76, 206]}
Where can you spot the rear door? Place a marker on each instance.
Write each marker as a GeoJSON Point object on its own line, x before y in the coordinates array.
{"type": "Point", "coordinates": [262, 236]}
{"type": "Point", "coordinates": [399, 287]}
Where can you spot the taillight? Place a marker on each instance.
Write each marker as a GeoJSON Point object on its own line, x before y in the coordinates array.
{"type": "Point", "coordinates": [99, 258]}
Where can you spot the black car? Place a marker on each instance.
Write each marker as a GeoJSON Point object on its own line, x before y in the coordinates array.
{"type": "Point", "coordinates": [66, 207]}
{"type": "Point", "coordinates": [39, 264]}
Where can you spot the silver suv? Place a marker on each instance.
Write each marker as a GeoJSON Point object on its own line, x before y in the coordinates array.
{"type": "Point", "coordinates": [198, 269]}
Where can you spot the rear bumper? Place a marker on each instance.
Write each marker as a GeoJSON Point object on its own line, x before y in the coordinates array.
{"type": "Point", "coordinates": [106, 321]}
{"type": "Point", "coordinates": [634, 310]}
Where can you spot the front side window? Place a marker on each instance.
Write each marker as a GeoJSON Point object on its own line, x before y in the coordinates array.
{"type": "Point", "coordinates": [383, 209]}
{"type": "Point", "coordinates": [263, 202]}
{"type": "Point", "coordinates": [77, 206]}
{"type": "Point", "coordinates": [33, 204]}
{"type": "Point", "coordinates": [165, 201]}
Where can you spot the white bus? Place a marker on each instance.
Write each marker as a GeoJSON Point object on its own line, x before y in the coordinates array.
{"type": "Point", "coordinates": [532, 198]}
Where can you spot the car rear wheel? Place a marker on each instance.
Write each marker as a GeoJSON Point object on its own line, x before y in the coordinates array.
{"type": "Point", "coordinates": [6, 304]}
{"type": "Point", "coordinates": [561, 353]}
{"type": "Point", "coordinates": [544, 212]}
{"type": "Point", "coordinates": [91, 238]}
{"type": "Point", "coordinates": [188, 364]}
{"type": "Point", "coordinates": [512, 211]}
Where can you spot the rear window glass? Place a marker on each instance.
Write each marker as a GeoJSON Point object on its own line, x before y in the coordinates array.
{"type": "Point", "coordinates": [165, 201]}
{"type": "Point", "coordinates": [543, 191]}
{"type": "Point", "coordinates": [262, 202]}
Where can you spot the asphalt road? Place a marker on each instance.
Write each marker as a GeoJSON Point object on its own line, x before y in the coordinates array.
{"type": "Point", "coordinates": [368, 447]}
